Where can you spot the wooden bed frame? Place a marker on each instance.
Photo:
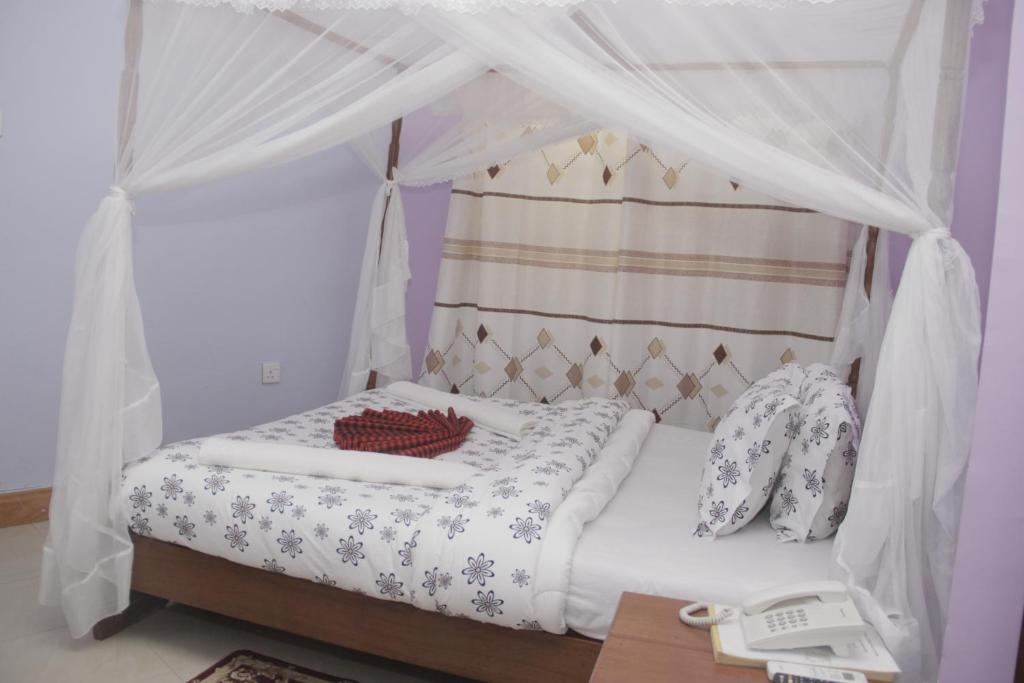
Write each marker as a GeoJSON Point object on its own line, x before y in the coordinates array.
{"type": "Point", "coordinates": [166, 572]}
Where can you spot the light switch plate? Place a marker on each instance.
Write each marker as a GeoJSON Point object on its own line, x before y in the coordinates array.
{"type": "Point", "coordinates": [270, 372]}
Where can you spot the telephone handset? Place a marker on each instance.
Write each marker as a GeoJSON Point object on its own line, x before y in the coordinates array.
{"type": "Point", "coordinates": [809, 614]}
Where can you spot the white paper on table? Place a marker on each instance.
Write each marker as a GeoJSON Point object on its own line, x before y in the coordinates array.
{"type": "Point", "coordinates": [868, 654]}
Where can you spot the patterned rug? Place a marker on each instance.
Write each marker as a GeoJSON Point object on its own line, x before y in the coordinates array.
{"type": "Point", "coordinates": [243, 666]}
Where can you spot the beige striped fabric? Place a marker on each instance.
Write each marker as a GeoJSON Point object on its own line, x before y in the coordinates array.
{"type": "Point", "coordinates": [600, 267]}
{"type": "Point", "coordinates": [649, 263]}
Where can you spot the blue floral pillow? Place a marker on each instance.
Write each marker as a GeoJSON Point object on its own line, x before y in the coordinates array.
{"type": "Point", "coordinates": [746, 452]}
{"type": "Point", "coordinates": [814, 485]}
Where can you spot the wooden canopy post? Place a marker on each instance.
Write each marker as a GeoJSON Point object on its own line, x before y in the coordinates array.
{"type": "Point", "coordinates": [393, 150]}
{"type": "Point", "coordinates": [910, 23]}
{"type": "Point", "coordinates": [948, 112]}
{"type": "Point", "coordinates": [869, 274]}
{"type": "Point", "coordinates": [393, 147]}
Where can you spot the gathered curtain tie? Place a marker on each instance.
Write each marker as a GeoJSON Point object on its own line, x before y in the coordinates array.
{"type": "Point", "coordinates": [949, 248]}
{"type": "Point", "coordinates": [389, 186]}
{"type": "Point", "coordinates": [118, 192]}
{"type": "Point", "coordinates": [935, 232]}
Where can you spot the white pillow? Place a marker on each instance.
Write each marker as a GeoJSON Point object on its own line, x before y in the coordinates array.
{"type": "Point", "coordinates": [814, 485]}
{"type": "Point", "coordinates": [745, 454]}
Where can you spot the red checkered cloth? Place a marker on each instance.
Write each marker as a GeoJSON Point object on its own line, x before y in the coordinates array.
{"type": "Point", "coordinates": [426, 434]}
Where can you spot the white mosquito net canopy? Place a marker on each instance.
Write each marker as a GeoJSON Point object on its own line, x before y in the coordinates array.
{"type": "Point", "coordinates": [848, 107]}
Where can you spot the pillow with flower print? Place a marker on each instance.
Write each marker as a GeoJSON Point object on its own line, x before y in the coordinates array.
{"type": "Point", "coordinates": [745, 454]}
{"type": "Point", "coordinates": [814, 484]}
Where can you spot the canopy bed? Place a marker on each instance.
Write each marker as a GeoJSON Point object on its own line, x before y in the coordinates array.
{"type": "Point", "coordinates": [846, 110]}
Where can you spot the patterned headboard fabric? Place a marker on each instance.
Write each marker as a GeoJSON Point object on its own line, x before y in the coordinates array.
{"type": "Point", "coordinates": [600, 267]}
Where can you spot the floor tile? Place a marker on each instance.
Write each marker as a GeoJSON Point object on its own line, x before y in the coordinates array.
{"type": "Point", "coordinates": [55, 656]}
{"type": "Point", "coordinates": [161, 678]}
{"type": "Point", "coordinates": [170, 646]}
{"type": "Point", "coordinates": [339, 662]}
{"type": "Point", "coordinates": [185, 641]}
{"type": "Point", "coordinates": [21, 549]}
{"type": "Point", "coordinates": [21, 614]}
{"type": "Point", "coordinates": [190, 640]}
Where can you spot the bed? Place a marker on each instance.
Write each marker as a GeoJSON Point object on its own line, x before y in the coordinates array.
{"type": "Point", "coordinates": [281, 549]}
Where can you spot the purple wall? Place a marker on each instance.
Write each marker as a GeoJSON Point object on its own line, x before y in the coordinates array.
{"type": "Point", "coordinates": [988, 589]}
{"type": "Point", "coordinates": [229, 274]}
{"type": "Point", "coordinates": [426, 211]}
{"type": "Point", "coordinates": [977, 177]}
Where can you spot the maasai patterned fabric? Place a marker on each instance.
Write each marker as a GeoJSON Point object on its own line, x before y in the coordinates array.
{"type": "Point", "coordinates": [602, 267]}
{"type": "Point", "coordinates": [426, 434]}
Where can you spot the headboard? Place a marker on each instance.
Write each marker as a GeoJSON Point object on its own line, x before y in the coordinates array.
{"type": "Point", "coordinates": [601, 267]}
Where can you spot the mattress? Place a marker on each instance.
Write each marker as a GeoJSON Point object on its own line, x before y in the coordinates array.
{"type": "Point", "coordinates": [642, 542]}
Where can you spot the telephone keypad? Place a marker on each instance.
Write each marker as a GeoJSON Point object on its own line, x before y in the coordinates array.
{"type": "Point", "coordinates": [812, 623]}
{"type": "Point", "coordinates": [785, 619]}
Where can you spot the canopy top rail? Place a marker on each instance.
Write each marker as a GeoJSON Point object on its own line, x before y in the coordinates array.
{"type": "Point", "coordinates": [770, 65]}
{"type": "Point", "coordinates": [471, 6]}
{"type": "Point", "coordinates": [328, 34]}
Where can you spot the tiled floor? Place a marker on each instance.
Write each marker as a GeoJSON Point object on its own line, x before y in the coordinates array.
{"type": "Point", "coordinates": [170, 646]}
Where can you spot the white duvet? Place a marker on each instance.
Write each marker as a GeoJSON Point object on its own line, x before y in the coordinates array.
{"type": "Point", "coordinates": [332, 463]}
{"type": "Point", "coordinates": [496, 548]}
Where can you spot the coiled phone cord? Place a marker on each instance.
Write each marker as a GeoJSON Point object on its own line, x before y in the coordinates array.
{"type": "Point", "coordinates": [686, 615]}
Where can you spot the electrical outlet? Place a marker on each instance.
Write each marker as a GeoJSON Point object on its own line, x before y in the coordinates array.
{"type": "Point", "coordinates": [270, 372]}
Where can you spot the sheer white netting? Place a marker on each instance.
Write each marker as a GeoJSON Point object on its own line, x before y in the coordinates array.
{"type": "Point", "coordinates": [486, 122]}
{"type": "Point", "coordinates": [462, 6]}
{"type": "Point", "coordinates": [206, 93]}
{"type": "Point", "coordinates": [848, 108]}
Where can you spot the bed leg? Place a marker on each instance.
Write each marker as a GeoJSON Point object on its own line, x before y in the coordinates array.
{"type": "Point", "coordinates": [139, 607]}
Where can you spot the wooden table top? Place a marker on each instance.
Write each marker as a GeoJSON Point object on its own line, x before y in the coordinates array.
{"type": "Point", "coordinates": [647, 643]}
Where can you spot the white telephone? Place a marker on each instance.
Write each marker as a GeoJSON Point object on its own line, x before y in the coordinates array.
{"type": "Point", "coordinates": [809, 614]}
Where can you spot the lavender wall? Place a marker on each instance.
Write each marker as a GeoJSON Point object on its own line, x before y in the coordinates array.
{"type": "Point", "coordinates": [426, 215]}
{"type": "Point", "coordinates": [256, 268]}
{"type": "Point", "coordinates": [988, 590]}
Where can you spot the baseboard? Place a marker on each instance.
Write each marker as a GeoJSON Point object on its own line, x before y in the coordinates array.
{"type": "Point", "coordinates": [24, 507]}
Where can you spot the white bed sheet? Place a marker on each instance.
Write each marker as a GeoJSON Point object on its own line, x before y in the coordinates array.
{"type": "Point", "coordinates": [642, 542]}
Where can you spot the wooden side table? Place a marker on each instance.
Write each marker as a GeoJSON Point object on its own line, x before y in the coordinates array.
{"type": "Point", "coordinates": [647, 643]}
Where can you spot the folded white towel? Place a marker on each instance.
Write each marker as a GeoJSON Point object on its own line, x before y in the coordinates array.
{"type": "Point", "coordinates": [380, 468]}
{"type": "Point", "coordinates": [497, 419]}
